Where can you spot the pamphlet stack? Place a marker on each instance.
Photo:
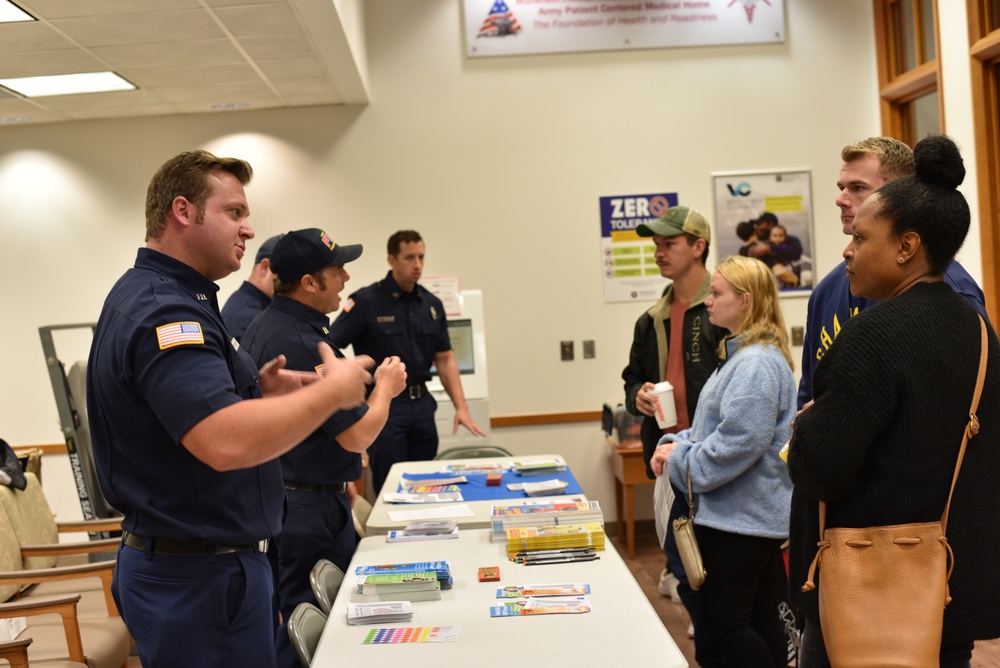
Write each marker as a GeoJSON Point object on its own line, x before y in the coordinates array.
{"type": "Point", "coordinates": [543, 514]}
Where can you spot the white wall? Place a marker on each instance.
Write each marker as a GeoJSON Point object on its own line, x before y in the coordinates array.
{"type": "Point", "coordinates": [498, 162]}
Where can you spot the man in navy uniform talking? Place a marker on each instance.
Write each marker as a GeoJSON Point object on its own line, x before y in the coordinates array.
{"type": "Point", "coordinates": [311, 273]}
{"type": "Point", "coordinates": [397, 316]}
{"type": "Point", "coordinates": [186, 431]}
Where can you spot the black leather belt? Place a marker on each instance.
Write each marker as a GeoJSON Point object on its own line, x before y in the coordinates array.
{"type": "Point", "coordinates": [182, 547]}
{"type": "Point", "coordinates": [416, 391]}
{"type": "Point", "coordinates": [335, 488]}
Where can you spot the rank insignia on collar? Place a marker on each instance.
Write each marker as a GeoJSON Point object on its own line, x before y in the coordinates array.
{"type": "Point", "coordinates": [434, 313]}
{"type": "Point", "coordinates": [200, 297]}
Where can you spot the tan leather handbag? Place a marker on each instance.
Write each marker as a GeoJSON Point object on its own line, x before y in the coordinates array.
{"type": "Point", "coordinates": [883, 589]}
{"type": "Point", "coordinates": [687, 544]}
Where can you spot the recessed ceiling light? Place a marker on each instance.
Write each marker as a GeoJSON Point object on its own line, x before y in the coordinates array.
{"type": "Point", "coordinates": [67, 84]}
{"type": "Point", "coordinates": [229, 106]}
{"type": "Point", "coordinates": [11, 120]}
{"type": "Point", "coordinates": [11, 13]}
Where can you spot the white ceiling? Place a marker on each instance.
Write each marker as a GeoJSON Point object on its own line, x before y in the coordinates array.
{"type": "Point", "coordinates": [185, 56]}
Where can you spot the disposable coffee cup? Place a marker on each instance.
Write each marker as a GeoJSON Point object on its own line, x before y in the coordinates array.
{"type": "Point", "coordinates": [663, 404]}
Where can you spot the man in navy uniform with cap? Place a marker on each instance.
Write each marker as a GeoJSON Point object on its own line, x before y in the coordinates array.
{"type": "Point", "coordinates": [318, 472]}
{"type": "Point", "coordinates": [253, 295]}
{"type": "Point", "coordinates": [186, 431]}
{"type": "Point", "coordinates": [397, 316]}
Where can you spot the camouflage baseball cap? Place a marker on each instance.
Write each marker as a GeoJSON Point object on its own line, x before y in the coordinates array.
{"type": "Point", "coordinates": [677, 220]}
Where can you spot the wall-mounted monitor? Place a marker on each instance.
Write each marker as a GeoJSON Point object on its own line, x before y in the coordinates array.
{"type": "Point", "coordinates": [460, 333]}
{"type": "Point", "coordinates": [468, 342]}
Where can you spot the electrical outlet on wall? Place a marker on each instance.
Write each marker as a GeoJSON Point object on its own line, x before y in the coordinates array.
{"type": "Point", "coordinates": [589, 352]}
{"type": "Point", "coordinates": [566, 351]}
{"type": "Point", "coordinates": [798, 336]}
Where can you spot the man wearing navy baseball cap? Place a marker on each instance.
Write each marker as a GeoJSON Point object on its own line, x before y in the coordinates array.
{"type": "Point", "coordinates": [254, 294]}
{"type": "Point", "coordinates": [318, 472]}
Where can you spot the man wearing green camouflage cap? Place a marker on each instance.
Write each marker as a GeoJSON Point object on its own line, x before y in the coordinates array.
{"type": "Point", "coordinates": [675, 342]}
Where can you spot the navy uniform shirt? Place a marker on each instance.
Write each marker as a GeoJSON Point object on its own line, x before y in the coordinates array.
{"type": "Point", "coordinates": [242, 307]}
{"type": "Point", "coordinates": [292, 329]}
{"type": "Point", "coordinates": [161, 362]}
{"type": "Point", "coordinates": [382, 320]}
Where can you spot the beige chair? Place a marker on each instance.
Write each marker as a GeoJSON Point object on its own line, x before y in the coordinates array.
{"type": "Point", "coordinates": [71, 614]}
{"type": "Point", "coordinates": [15, 652]}
{"type": "Point", "coordinates": [325, 579]}
{"type": "Point", "coordinates": [362, 509]}
{"type": "Point", "coordinates": [305, 627]}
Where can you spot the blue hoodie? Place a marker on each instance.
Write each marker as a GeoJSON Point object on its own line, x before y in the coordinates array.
{"type": "Point", "coordinates": [744, 418]}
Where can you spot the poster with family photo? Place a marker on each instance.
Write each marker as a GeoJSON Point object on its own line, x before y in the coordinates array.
{"type": "Point", "coordinates": [767, 215]}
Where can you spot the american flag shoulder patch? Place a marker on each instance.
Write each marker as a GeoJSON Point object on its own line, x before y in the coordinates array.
{"type": "Point", "coordinates": [348, 305]}
{"type": "Point", "coordinates": [320, 369]}
{"type": "Point", "coordinates": [179, 334]}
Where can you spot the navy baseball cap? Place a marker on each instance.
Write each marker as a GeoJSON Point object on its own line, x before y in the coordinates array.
{"type": "Point", "coordinates": [267, 248]}
{"type": "Point", "coordinates": [302, 252]}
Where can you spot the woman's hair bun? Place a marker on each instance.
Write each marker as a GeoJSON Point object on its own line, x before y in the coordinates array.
{"type": "Point", "coordinates": [938, 162]}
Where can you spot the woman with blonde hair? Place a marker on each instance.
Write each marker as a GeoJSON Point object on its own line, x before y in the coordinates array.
{"type": "Point", "coordinates": [731, 454]}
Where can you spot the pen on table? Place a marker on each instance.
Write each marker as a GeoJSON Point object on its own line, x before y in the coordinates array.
{"type": "Point", "coordinates": [561, 560]}
{"type": "Point", "coordinates": [565, 550]}
{"type": "Point", "coordinates": [552, 553]}
{"type": "Point", "coordinates": [533, 557]}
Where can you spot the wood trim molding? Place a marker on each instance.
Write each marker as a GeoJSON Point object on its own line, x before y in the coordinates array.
{"type": "Point", "coordinates": [46, 448]}
{"type": "Point", "coordinates": [544, 418]}
{"type": "Point", "coordinates": [917, 81]}
{"type": "Point", "coordinates": [984, 53]}
{"type": "Point", "coordinates": [986, 48]}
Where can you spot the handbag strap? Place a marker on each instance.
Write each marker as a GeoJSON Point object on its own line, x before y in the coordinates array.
{"type": "Point", "coordinates": [690, 498]}
{"type": "Point", "coordinates": [971, 429]}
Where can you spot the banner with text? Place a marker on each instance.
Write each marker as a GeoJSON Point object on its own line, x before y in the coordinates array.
{"type": "Point", "coordinates": [516, 27]}
{"type": "Point", "coordinates": [629, 261]}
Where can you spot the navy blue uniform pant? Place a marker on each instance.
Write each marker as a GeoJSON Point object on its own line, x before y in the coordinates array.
{"type": "Point", "coordinates": [317, 526]}
{"type": "Point", "coordinates": [409, 435]}
{"type": "Point", "coordinates": [211, 612]}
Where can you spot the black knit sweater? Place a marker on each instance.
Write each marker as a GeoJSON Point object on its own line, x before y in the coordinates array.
{"type": "Point", "coordinates": [880, 445]}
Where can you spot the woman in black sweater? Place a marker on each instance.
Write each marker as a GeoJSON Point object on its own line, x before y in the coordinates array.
{"type": "Point", "coordinates": [880, 441]}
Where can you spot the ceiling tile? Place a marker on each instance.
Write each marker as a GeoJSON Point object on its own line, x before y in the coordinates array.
{"type": "Point", "coordinates": [314, 86]}
{"type": "Point", "coordinates": [29, 37]}
{"type": "Point", "coordinates": [291, 68]}
{"type": "Point", "coordinates": [186, 56]}
{"type": "Point", "coordinates": [22, 110]}
{"type": "Point", "coordinates": [216, 94]}
{"type": "Point", "coordinates": [43, 63]}
{"type": "Point", "coordinates": [149, 27]}
{"type": "Point", "coordinates": [235, 3]}
{"type": "Point", "coordinates": [121, 99]}
{"type": "Point", "coordinates": [173, 54]}
{"type": "Point", "coordinates": [157, 77]}
{"type": "Point", "coordinates": [161, 109]}
{"type": "Point", "coordinates": [292, 45]}
{"type": "Point", "coordinates": [260, 20]}
{"type": "Point", "coordinates": [313, 100]}
{"type": "Point", "coordinates": [194, 107]}
{"type": "Point", "coordinates": [60, 9]}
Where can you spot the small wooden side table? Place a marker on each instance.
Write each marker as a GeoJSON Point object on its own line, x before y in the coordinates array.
{"type": "Point", "coordinates": [630, 471]}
